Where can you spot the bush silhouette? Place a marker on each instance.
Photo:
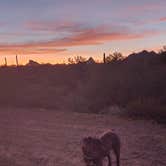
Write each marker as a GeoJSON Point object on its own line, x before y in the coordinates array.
{"type": "Point", "coordinates": [89, 88]}
{"type": "Point", "coordinates": [116, 56]}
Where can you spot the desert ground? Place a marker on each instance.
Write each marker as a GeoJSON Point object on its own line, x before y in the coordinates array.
{"type": "Point", "coordinates": [42, 137]}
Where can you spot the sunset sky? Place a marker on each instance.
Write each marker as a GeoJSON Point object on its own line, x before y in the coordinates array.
{"type": "Point", "coordinates": [50, 31]}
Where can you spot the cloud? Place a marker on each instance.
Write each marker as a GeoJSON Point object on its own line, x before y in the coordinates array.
{"type": "Point", "coordinates": [146, 7]}
{"type": "Point", "coordinates": [82, 35]}
{"type": "Point", "coordinates": [20, 49]}
{"type": "Point", "coordinates": [95, 37]}
{"type": "Point", "coordinates": [150, 21]}
{"type": "Point", "coordinates": [87, 36]}
{"type": "Point", "coordinates": [159, 20]}
{"type": "Point", "coordinates": [163, 19]}
{"type": "Point", "coordinates": [141, 10]}
{"type": "Point", "coordinates": [54, 26]}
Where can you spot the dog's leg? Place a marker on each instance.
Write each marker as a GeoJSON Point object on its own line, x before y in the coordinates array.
{"type": "Point", "coordinates": [109, 160]}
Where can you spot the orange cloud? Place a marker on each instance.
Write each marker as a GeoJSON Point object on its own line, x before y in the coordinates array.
{"type": "Point", "coordinates": [27, 49]}
{"type": "Point", "coordinates": [95, 36]}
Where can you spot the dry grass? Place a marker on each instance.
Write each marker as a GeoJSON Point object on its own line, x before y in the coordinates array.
{"type": "Point", "coordinates": [49, 138]}
{"type": "Point", "coordinates": [147, 108]}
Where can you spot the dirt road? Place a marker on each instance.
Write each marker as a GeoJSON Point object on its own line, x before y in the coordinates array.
{"type": "Point", "coordinates": [50, 138]}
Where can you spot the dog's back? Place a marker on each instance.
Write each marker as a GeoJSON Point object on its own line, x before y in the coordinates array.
{"type": "Point", "coordinates": [97, 148]}
{"type": "Point", "coordinates": [110, 140]}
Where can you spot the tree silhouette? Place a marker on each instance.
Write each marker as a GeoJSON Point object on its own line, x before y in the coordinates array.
{"type": "Point", "coordinates": [116, 56]}
{"type": "Point", "coordinates": [79, 59]}
{"type": "Point", "coordinates": [162, 54]}
{"type": "Point", "coordinates": [71, 61]}
{"type": "Point", "coordinates": [76, 60]}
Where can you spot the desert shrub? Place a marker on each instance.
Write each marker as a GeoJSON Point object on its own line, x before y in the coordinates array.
{"type": "Point", "coordinates": [115, 57]}
{"type": "Point", "coordinates": [148, 108]}
{"type": "Point", "coordinates": [162, 55]}
{"type": "Point", "coordinates": [132, 82]}
{"type": "Point", "coordinates": [6, 161]}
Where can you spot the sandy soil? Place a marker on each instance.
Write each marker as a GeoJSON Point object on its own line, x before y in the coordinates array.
{"type": "Point", "coordinates": [49, 138]}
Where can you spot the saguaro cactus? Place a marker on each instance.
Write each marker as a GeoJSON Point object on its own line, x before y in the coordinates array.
{"type": "Point", "coordinates": [16, 60]}
{"type": "Point", "coordinates": [5, 61]}
{"type": "Point", "coordinates": [104, 58]}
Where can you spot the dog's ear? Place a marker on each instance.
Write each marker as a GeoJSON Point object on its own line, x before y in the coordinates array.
{"type": "Point", "coordinates": [84, 144]}
{"type": "Point", "coordinates": [87, 139]}
{"type": "Point", "coordinates": [84, 141]}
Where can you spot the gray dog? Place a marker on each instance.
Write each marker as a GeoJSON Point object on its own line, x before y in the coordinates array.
{"type": "Point", "coordinates": [96, 149]}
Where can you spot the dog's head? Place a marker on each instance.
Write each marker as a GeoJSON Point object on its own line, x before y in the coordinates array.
{"type": "Point", "coordinates": [91, 148]}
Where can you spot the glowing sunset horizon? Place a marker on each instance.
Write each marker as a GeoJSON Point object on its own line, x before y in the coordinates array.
{"type": "Point", "coordinates": [52, 31]}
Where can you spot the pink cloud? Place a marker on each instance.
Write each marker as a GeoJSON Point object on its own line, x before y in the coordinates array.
{"type": "Point", "coordinates": [146, 7]}
{"type": "Point", "coordinates": [152, 21]}
{"type": "Point", "coordinates": [93, 36]}
{"type": "Point", "coordinates": [160, 20]}
{"type": "Point", "coordinates": [140, 10]}
{"type": "Point", "coordinates": [163, 19]}
{"type": "Point", "coordinates": [55, 26]}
